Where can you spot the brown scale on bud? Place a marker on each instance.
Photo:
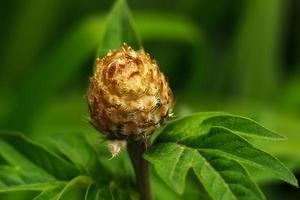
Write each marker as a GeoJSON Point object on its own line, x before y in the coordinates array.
{"type": "Point", "coordinates": [128, 96]}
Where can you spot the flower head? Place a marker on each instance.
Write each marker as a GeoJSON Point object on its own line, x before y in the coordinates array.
{"type": "Point", "coordinates": [128, 95]}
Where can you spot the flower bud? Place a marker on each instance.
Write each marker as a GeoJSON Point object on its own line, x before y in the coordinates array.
{"type": "Point", "coordinates": [128, 95]}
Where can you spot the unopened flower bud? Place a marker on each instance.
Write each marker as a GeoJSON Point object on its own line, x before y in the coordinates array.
{"type": "Point", "coordinates": [128, 95]}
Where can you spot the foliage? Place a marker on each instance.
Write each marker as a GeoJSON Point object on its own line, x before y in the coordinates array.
{"type": "Point", "coordinates": [26, 165]}
{"type": "Point", "coordinates": [214, 146]}
{"type": "Point", "coordinates": [218, 147]}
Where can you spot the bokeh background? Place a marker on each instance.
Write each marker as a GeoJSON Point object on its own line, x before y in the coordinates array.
{"type": "Point", "coordinates": [239, 56]}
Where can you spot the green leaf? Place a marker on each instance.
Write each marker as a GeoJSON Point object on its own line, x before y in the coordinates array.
{"type": "Point", "coordinates": [119, 28]}
{"type": "Point", "coordinates": [200, 123]}
{"type": "Point", "coordinates": [14, 178]}
{"type": "Point", "coordinates": [92, 192]}
{"type": "Point", "coordinates": [50, 193]}
{"type": "Point", "coordinates": [241, 125]}
{"type": "Point", "coordinates": [73, 147]}
{"type": "Point", "coordinates": [95, 193]}
{"type": "Point", "coordinates": [82, 155]}
{"type": "Point", "coordinates": [77, 182]}
{"type": "Point", "coordinates": [28, 166]}
{"type": "Point", "coordinates": [121, 193]}
{"type": "Point", "coordinates": [210, 144]}
{"type": "Point", "coordinates": [163, 191]}
{"type": "Point", "coordinates": [58, 191]}
{"type": "Point", "coordinates": [111, 191]}
{"type": "Point", "coordinates": [35, 154]}
{"type": "Point", "coordinates": [223, 142]}
{"type": "Point", "coordinates": [222, 178]}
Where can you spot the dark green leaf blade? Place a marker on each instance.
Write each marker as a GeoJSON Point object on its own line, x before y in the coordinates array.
{"type": "Point", "coordinates": [26, 165]}
{"type": "Point", "coordinates": [172, 163]}
{"type": "Point", "coordinates": [234, 174]}
{"type": "Point", "coordinates": [50, 193]}
{"type": "Point", "coordinates": [38, 155]}
{"type": "Point", "coordinates": [222, 178]}
{"type": "Point", "coordinates": [163, 191]}
{"type": "Point", "coordinates": [223, 142]}
{"type": "Point", "coordinates": [241, 125]}
{"type": "Point", "coordinates": [21, 174]}
{"type": "Point", "coordinates": [76, 183]}
{"type": "Point", "coordinates": [13, 178]}
{"type": "Point", "coordinates": [120, 28]}
{"type": "Point", "coordinates": [97, 193]}
{"type": "Point", "coordinates": [120, 193]}
{"type": "Point", "coordinates": [200, 123]}
{"type": "Point", "coordinates": [20, 163]}
{"type": "Point", "coordinates": [211, 143]}
{"type": "Point", "coordinates": [81, 154]}
{"type": "Point", "coordinates": [93, 191]}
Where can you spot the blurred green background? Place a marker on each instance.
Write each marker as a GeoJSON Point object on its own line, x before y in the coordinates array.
{"type": "Point", "coordinates": [239, 56]}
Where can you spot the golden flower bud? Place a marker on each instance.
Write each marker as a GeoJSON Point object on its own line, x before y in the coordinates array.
{"type": "Point", "coordinates": [128, 95]}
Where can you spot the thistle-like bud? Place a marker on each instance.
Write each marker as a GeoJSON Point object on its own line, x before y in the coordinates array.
{"type": "Point", "coordinates": [128, 96]}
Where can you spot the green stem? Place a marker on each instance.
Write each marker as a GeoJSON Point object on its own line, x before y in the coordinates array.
{"type": "Point", "coordinates": [141, 168]}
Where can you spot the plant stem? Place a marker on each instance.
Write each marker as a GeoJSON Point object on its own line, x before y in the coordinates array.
{"type": "Point", "coordinates": [141, 168]}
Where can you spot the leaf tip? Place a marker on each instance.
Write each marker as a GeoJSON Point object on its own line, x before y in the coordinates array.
{"type": "Point", "coordinates": [295, 182]}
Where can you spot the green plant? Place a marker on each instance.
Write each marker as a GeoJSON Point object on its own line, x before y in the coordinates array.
{"type": "Point", "coordinates": [216, 145]}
